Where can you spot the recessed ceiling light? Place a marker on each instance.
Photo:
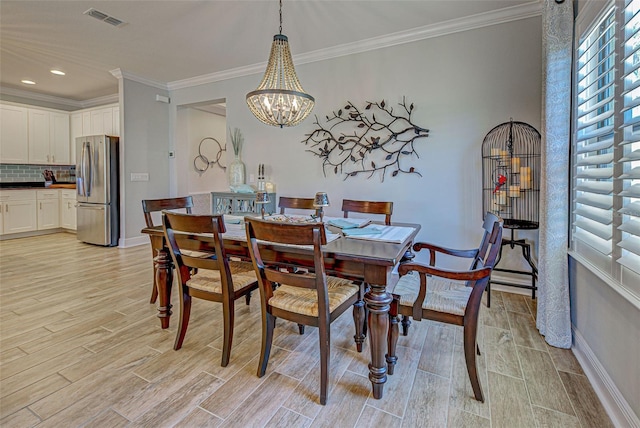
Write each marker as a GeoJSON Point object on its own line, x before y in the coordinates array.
{"type": "Point", "coordinates": [28, 82]}
{"type": "Point", "coordinates": [58, 72]}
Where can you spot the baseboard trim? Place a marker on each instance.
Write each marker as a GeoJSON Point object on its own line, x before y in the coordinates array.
{"type": "Point", "coordinates": [618, 409]}
{"type": "Point", "coordinates": [512, 279]}
{"type": "Point", "coordinates": [133, 242]}
{"type": "Point", "coordinates": [35, 233]}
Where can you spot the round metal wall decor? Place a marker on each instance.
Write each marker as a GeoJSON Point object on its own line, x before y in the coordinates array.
{"type": "Point", "coordinates": [209, 154]}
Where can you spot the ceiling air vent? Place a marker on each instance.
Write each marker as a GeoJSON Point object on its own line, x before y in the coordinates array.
{"type": "Point", "coordinates": [104, 17]}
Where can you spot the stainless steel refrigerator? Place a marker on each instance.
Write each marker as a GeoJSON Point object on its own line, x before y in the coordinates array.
{"type": "Point", "coordinates": [98, 190]}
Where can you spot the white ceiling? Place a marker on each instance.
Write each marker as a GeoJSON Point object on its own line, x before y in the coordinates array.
{"type": "Point", "coordinates": [169, 41]}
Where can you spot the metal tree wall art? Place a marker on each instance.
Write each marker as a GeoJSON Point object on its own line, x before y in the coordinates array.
{"type": "Point", "coordinates": [374, 140]}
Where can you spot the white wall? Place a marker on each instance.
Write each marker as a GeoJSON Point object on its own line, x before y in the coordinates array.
{"type": "Point", "coordinates": [144, 148]}
{"type": "Point", "coordinates": [462, 85]}
{"type": "Point", "coordinates": [610, 326]}
{"type": "Point", "coordinates": [192, 126]}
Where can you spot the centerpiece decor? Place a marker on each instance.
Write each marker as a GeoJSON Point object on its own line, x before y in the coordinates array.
{"type": "Point", "coordinates": [320, 201]}
{"type": "Point", "coordinates": [262, 198]}
{"type": "Point", "coordinates": [236, 168]}
{"type": "Point", "coordinates": [368, 141]}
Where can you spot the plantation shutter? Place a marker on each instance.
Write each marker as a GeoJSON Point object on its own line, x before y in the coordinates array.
{"type": "Point", "coordinates": [630, 194]}
{"type": "Point", "coordinates": [594, 142]}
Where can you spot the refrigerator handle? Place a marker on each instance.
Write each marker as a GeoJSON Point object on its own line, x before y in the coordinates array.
{"type": "Point", "coordinates": [81, 178]}
{"type": "Point", "coordinates": [87, 161]}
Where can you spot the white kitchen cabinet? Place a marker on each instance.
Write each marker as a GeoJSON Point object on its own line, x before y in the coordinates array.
{"type": "Point", "coordinates": [34, 136]}
{"type": "Point", "coordinates": [39, 136]}
{"type": "Point", "coordinates": [86, 123]}
{"type": "Point", "coordinates": [97, 126]}
{"type": "Point", "coordinates": [19, 212]}
{"type": "Point", "coordinates": [96, 121]}
{"type": "Point", "coordinates": [14, 145]}
{"type": "Point", "coordinates": [102, 122]}
{"type": "Point", "coordinates": [48, 209]}
{"type": "Point", "coordinates": [48, 137]}
{"type": "Point", "coordinates": [76, 131]}
{"type": "Point", "coordinates": [68, 209]}
{"type": "Point", "coordinates": [59, 146]}
{"type": "Point", "coordinates": [107, 121]}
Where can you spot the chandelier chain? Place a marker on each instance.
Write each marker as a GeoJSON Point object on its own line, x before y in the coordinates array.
{"type": "Point", "coordinates": [280, 16]}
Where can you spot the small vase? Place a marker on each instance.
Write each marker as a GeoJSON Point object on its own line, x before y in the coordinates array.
{"type": "Point", "coordinates": [236, 171]}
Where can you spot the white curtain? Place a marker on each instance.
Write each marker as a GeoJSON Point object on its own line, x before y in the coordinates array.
{"type": "Point", "coordinates": [553, 317]}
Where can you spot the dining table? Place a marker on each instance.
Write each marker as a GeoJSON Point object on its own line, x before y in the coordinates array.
{"type": "Point", "coordinates": [370, 260]}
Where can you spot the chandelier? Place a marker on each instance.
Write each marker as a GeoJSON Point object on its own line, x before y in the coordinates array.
{"type": "Point", "coordinates": [280, 100]}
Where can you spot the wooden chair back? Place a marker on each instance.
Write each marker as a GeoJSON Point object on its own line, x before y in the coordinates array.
{"type": "Point", "coordinates": [150, 206]}
{"type": "Point", "coordinates": [285, 202]}
{"type": "Point", "coordinates": [368, 207]}
{"type": "Point", "coordinates": [155, 205]}
{"type": "Point", "coordinates": [181, 233]}
{"type": "Point", "coordinates": [291, 234]}
{"type": "Point", "coordinates": [491, 242]}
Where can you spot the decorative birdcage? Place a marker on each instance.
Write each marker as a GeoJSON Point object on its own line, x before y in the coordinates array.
{"type": "Point", "coordinates": [511, 185]}
{"type": "Point", "coordinates": [511, 174]}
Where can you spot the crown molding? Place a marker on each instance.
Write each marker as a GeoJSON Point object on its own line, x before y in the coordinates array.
{"type": "Point", "coordinates": [458, 25]}
{"type": "Point", "coordinates": [119, 73]}
{"type": "Point", "coordinates": [508, 14]}
{"type": "Point", "coordinates": [100, 101]}
{"type": "Point", "coordinates": [73, 104]}
{"type": "Point", "coordinates": [217, 77]}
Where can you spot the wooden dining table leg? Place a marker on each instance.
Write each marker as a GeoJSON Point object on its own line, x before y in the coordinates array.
{"type": "Point", "coordinates": [378, 301]}
{"type": "Point", "coordinates": [164, 282]}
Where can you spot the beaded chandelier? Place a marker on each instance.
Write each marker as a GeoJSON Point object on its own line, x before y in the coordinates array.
{"type": "Point", "coordinates": [280, 100]}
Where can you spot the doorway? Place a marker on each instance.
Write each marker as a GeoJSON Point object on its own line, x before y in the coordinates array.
{"type": "Point", "coordinates": [201, 156]}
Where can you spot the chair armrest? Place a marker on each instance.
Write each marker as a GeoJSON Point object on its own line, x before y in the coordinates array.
{"type": "Point", "coordinates": [478, 276]}
{"type": "Point", "coordinates": [434, 249]}
{"type": "Point", "coordinates": [466, 275]}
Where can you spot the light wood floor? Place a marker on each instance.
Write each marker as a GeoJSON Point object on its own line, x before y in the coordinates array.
{"type": "Point", "coordinates": [81, 346]}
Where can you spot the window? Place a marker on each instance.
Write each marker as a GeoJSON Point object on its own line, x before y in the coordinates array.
{"type": "Point", "coordinates": [606, 144]}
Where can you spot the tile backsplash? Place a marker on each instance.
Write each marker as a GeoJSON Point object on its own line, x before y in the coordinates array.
{"type": "Point", "coordinates": [10, 173]}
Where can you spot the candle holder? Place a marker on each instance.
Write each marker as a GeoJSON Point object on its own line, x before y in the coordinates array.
{"type": "Point", "coordinates": [261, 199]}
{"type": "Point", "coordinates": [321, 200]}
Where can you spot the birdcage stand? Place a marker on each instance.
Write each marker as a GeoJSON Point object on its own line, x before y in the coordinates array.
{"type": "Point", "coordinates": [526, 253]}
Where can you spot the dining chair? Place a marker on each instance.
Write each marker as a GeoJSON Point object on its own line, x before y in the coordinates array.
{"type": "Point", "coordinates": [285, 202]}
{"type": "Point", "coordinates": [312, 298]}
{"type": "Point", "coordinates": [206, 275]}
{"type": "Point", "coordinates": [150, 206]}
{"type": "Point", "coordinates": [445, 295]}
{"type": "Point", "coordinates": [368, 207]}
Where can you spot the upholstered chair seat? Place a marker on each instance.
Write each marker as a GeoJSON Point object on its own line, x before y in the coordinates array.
{"type": "Point", "coordinates": [442, 295]}
{"type": "Point", "coordinates": [305, 301]}
{"type": "Point", "coordinates": [209, 280]}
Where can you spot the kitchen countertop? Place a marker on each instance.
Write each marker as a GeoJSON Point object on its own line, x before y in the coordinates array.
{"type": "Point", "coordinates": [27, 185]}
{"type": "Point", "coordinates": [62, 186]}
